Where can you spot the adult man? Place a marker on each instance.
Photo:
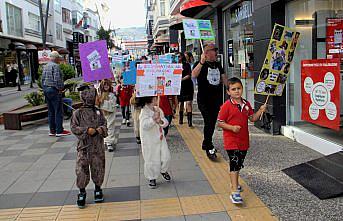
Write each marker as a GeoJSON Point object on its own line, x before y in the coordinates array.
{"type": "Point", "coordinates": [52, 83]}
{"type": "Point", "coordinates": [210, 76]}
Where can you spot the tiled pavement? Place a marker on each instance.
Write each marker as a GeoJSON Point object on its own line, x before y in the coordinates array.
{"type": "Point", "coordinates": [37, 171]}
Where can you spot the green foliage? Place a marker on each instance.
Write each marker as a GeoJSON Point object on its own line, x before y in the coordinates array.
{"type": "Point", "coordinates": [75, 96]}
{"type": "Point", "coordinates": [39, 73]}
{"type": "Point", "coordinates": [105, 35]}
{"type": "Point", "coordinates": [35, 98]}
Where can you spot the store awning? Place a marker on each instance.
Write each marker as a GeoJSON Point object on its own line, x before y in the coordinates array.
{"type": "Point", "coordinates": [63, 51]}
{"type": "Point", "coordinates": [175, 22]}
{"type": "Point", "coordinates": [191, 8]}
{"type": "Point", "coordinates": [31, 47]}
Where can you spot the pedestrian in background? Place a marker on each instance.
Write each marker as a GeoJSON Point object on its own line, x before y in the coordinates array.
{"type": "Point", "coordinates": [190, 60]}
{"type": "Point", "coordinates": [135, 116]}
{"type": "Point", "coordinates": [187, 90]}
{"type": "Point", "coordinates": [125, 93]}
{"type": "Point", "coordinates": [88, 124]}
{"type": "Point", "coordinates": [233, 119]}
{"type": "Point", "coordinates": [155, 150]}
{"type": "Point", "coordinates": [52, 84]}
{"type": "Point", "coordinates": [167, 104]}
{"type": "Point", "coordinates": [211, 77]}
{"type": "Point", "coordinates": [106, 102]}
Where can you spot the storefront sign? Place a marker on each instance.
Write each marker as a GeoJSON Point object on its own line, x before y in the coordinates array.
{"type": "Point", "coordinates": [320, 92]}
{"type": "Point", "coordinates": [94, 61]}
{"type": "Point", "coordinates": [198, 29]}
{"type": "Point", "coordinates": [275, 69]}
{"type": "Point", "coordinates": [242, 12]}
{"type": "Point", "coordinates": [158, 79]}
{"type": "Point", "coordinates": [230, 54]}
{"type": "Point", "coordinates": [334, 35]}
{"type": "Point", "coordinates": [44, 56]}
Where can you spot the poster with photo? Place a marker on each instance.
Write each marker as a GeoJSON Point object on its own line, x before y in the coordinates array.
{"type": "Point", "coordinates": [320, 92]}
{"type": "Point", "coordinates": [198, 29]}
{"type": "Point", "coordinates": [275, 69]}
{"type": "Point", "coordinates": [334, 35]}
{"type": "Point", "coordinates": [158, 79]}
{"type": "Point", "coordinates": [94, 61]}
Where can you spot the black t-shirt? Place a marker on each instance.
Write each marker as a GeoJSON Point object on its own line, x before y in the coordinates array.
{"type": "Point", "coordinates": [209, 83]}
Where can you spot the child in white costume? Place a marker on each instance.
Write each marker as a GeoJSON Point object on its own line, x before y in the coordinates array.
{"type": "Point", "coordinates": [155, 150]}
{"type": "Point", "coordinates": [106, 102]}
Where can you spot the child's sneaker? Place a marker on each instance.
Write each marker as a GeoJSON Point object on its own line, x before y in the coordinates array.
{"type": "Point", "coordinates": [81, 200]}
{"type": "Point", "coordinates": [138, 140]}
{"type": "Point", "coordinates": [211, 154]}
{"type": "Point", "coordinates": [236, 198]}
{"type": "Point", "coordinates": [124, 121]}
{"type": "Point", "coordinates": [152, 184]}
{"type": "Point", "coordinates": [128, 124]}
{"type": "Point", "coordinates": [166, 176]}
{"type": "Point", "coordinates": [98, 196]}
{"type": "Point", "coordinates": [110, 147]}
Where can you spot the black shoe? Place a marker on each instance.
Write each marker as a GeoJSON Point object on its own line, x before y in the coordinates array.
{"type": "Point", "coordinates": [138, 140]}
{"type": "Point", "coordinates": [211, 154]}
{"type": "Point", "coordinates": [166, 176]}
{"type": "Point", "coordinates": [110, 148]}
{"type": "Point", "coordinates": [152, 184]}
{"type": "Point", "coordinates": [128, 124]}
{"type": "Point", "coordinates": [81, 200]}
{"type": "Point", "coordinates": [181, 117]}
{"type": "Point", "coordinates": [98, 196]}
{"type": "Point", "coordinates": [189, 119]}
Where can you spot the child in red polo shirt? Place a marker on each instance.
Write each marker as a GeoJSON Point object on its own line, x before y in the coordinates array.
{"type": "Point", "coordinates": [233, 119]}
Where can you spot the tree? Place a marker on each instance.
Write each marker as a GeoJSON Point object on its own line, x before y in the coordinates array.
{"type": "Point", "coordinates": [44, 25]}
{"type": "Point", "coordinates": [105, 35]}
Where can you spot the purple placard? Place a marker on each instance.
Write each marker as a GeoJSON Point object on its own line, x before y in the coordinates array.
{"type": "Point", "coordinates": [94, 61]}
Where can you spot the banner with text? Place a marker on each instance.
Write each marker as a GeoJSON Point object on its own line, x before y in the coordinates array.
{"type": "Point", "coordinates": [275, 69]}
{"type": "Point", "coordinates": [158, 79]}
{"type": "Point", "coordinates": [320, 92]}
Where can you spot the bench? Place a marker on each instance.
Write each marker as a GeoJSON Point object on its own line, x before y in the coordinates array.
{"type": "Point", "coordinates": [13, 119]}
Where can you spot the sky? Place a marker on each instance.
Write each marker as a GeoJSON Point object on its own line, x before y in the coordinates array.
{"type": "Point", "coordinates": [122, 13]}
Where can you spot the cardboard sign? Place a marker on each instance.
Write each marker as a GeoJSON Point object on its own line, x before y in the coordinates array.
{"type": "Point", "coordinates": [44, 56]}
{"type": "Point", "coordinates": [129, 76]}
{"type": "Point", "coordinates": [320, 92]}
{"type": "Point", "coordinates": [275, 69]}
{"type": "Point", "coordinates": [94, 61]}
{"type": "Point", "coordinates": [334, 35]}
{"type": "Point", "coordinates": [158, 79]}
{"type": "Point", "coordinates": [117, 59]}
{"type": "Point", "coordinates": [198, 29]}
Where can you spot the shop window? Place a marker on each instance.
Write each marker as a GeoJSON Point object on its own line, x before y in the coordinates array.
{"type": "Point", "coordinates": [58, 32]}
{"type": "Point", "coordinates": [34, 22]}
{"type": "Point", "coordinates": [14, 20]}
{"type": "Point", "coordinates": [311, 19]}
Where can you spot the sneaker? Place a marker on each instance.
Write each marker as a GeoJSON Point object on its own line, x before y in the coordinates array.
{"type": "Point", "coordinates": [64, 133]}
{"type": "Point", "coordinates": [166, 176]}
{"type": "Point", "coordinates": [138, 140]}
{"type": "Point", "coordinates": [110, 148]}
{"type": "Point", "coordinates": [211, 154]}
{"type": "Point", "coordinates": [128, 124]}
{"type": "Point", "coordinates": [236, 198]}
{"type": "Point", "coordinates": [52, 134]}
{"type": "Point", "coordinates": [152, 184]}
{"type": "Point", "coordinates": [81, 200]}
{"type": "Point", "coordinates": [98, 196]}
{"type": "Point", "coordinates": [124, 121]}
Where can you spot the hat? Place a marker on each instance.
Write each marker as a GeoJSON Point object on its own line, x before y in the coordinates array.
{"type": "Point", "coordinates": [209, 47]}
{"type": "Point", "coordinates": [55, 54]}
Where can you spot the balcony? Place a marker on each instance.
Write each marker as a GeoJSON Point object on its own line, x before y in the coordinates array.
{"type": "Point", "coordinates": [33, 33]}
{"type": "Point", "coordinates": [49, 38]}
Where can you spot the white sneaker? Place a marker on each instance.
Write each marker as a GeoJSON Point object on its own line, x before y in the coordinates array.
{"type": "Point", "coordinates": [124, 121]}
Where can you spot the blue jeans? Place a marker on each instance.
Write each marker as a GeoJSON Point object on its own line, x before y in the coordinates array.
{"type": "Point", "coordinates": [69, 102]}
{"type": "Point", "coordinates": [55, 109]}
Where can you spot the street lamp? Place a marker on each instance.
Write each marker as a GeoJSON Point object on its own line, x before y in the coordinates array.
{"type": "Point", "coordinates": [19, 47]}
{"type": "Point", "coordinates": [30, 48]}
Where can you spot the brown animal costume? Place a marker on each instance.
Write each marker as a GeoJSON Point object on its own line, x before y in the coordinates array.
{"type": "Point", "coordinates": [90, 149]}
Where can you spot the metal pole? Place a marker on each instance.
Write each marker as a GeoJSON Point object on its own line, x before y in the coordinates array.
{"type": "Point", "coordinates": [19, 68]}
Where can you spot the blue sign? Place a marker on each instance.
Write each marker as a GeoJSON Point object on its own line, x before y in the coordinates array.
{"type": "Point", "coordinates": [129, 76]}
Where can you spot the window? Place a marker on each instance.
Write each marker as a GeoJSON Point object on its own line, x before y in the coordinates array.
{"type": "Point", "coordinates": [162, 7]}
{"type": "Point", "coordinates": [14, 22]}
{"type": "Point", "coordinates": [58, 31]}
{"type": "Point", "coordinates": [34, 22]}
{"type": "Point", "coordinates": [76, 17]}
{"type": "Point", "coordinates": [57, 6]}
{"type": "Point", "coordinates": [66, 16]}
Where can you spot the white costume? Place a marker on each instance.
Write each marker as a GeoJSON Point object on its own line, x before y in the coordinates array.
{"type": "Point", "coordinates": [155, 150]}
{"type": "Point", "coordinates": [110, 115]}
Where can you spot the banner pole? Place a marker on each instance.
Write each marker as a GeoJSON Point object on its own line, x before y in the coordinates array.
{"type": "Point", "coordinates": [202, 46]}
{"type": "Point", "coordinates": [264, 104]}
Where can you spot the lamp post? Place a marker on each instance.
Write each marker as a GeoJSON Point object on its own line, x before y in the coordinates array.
{"type": "Point", "coordinates": [18, 47]}
{"type": "Point", "coordinates": [30, 48]}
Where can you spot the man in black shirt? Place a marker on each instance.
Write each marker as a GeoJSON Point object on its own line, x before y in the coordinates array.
{"type": "Point", "coordinates": [210, 76]}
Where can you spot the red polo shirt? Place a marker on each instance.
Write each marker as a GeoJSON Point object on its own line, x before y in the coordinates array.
{"type": "Point", "coordinates": [234, 114]}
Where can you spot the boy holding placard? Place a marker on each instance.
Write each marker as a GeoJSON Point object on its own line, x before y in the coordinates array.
{"type": "Point", "coordinates": [233, 119]}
